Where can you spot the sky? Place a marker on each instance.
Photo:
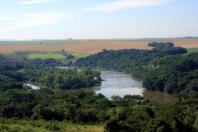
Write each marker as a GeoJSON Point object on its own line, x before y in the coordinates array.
{"type": "Point", "coordinates": [97, 19]}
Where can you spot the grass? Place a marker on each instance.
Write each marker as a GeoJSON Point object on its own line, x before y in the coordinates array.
{"type": "Point", "coordinates": [8, 53]}
{"type": "Point", "coordinates": [192, 50]}
{"type": "Point", "coordinates": [57, 56]}
{"type": "Point", "coordinates": [78, 55]}
{"type": "Point", "coordinates": [14, 125]}
{"type": "Point", "coordinates": [45, 55]}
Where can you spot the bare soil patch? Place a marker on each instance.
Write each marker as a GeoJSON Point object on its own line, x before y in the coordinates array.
{"type": "Point", "coordinates": [94, 46]}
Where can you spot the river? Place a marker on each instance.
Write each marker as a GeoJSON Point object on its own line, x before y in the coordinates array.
{"type": "Point", "coordinates": [118, 84]}
{"type": "Point", "coordinates": [121, 84]}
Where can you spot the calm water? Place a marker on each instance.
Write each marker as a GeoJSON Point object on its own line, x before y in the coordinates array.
{"type": "Point", "coordinates": [118, 84]}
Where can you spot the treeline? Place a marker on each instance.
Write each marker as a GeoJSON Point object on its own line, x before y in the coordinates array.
{"type": "Point", "coordinates": [69, 79]}
{"type": "Point", "coordinates": [9, 77]}
{"type": "Point", "coordinates": [133, 61]}
{"type": "Point", "coordinates": [127, 114]}
{"type": "Point", "coordinates": [47, 104]}
{"type": "Point", "coordinates": [163, 68]}
{"type": "Point", "coordinates": [178, 74]}
{"type": "Point", "coordinates": [14, 73]}
{"type": "Point", "coordinates": [154, 118]}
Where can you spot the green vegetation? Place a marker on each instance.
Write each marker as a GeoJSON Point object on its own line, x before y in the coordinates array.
{"type": "Point", "coordinates": [79, 55]}
{"type": "Point", "coordinates": [53, 108]}
{"type": "Point", "coordinates": [46, 56]}
{"type": "Point", "coordinates": [8, 53]}
{"type": "Point", "coordinates": [155, 118]}
{"type": "Point", "coordinates": [16, 125]}
{"type": "Point", "coordinates": [192, 50]}
{"type": "Point", "coordinates": [13, 74]}
{"type": "Point", "coordinates": [164, 68]}
{"type": "Point", "coordinates": [69, 79]}
{"type": "Point", "coordinates": [178, 74]}
{"type": "Point", "coordinates": [64, 56]}
{"type": "Point", "coordinates": [130, 113]}
{"type": "Point", "coordinates": [133, 61]}
{"type": "Point", "coordinates": [9, 77]}
{"type": "Point", "coordinates": [77, 106]}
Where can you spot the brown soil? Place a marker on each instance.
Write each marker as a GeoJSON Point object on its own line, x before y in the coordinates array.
{"type": "Point", "coordinates": [93, 46]}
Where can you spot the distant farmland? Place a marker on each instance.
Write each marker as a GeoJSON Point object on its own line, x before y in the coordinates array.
{"type": "Point", "coordinates": [87, 46]}
{"type": "Point", "coordinates": [192, 50]}
{"type": "Point", "coordinates": [46, 56]}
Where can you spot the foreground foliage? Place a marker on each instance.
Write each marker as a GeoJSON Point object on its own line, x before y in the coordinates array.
{"type": "Point", "coordinates": [16, 125]}
{"type": "Point", "coordinates": [130, 113]}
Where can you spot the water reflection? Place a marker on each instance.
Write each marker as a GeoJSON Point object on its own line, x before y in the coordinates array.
{"type": "Point", "coordinates": [118, 84]}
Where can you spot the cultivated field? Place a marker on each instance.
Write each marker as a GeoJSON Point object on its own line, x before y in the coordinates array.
{"type": "Point", "coordinates": [88, 46]}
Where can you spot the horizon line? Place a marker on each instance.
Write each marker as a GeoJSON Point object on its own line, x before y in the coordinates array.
{"type": "Point", "coordinates": [73, 39]}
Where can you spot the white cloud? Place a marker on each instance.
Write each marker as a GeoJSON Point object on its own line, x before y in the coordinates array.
{"type": "Point", "coordinates": [32, 2]}
{"type": "Point", "coordinates": [31, 20]}
{"type": "Point", "coordinates": [6, 18]}
{"type": "Point", "coordinates": [125, 4]}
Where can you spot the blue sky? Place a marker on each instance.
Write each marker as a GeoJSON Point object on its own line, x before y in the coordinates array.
{"type": "Point", "coordinates": [97, 19]}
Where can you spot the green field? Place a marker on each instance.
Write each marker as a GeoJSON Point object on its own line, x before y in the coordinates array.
{"type": "Point", "coordinates": [14, 125]}
{"type": "Point", "coordinates": [192, 50]}
{"type": "Point", "coordinates": [79, 55]}
{"type": "Point", "coordinates": [46, 56]}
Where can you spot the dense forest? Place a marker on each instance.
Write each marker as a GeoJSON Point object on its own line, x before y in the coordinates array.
{"type": "Point", "coordinates": [178, 74]}
{"type": "Point", "coordinates": [130, 60]}
{"type": "Point", "coordinates": [69, 79]}
{"type": "Point", "coordinates": [9, 77]}
{"type": "Point", "coordinates": [14, 73]}
{"type": "Point", "coordinates": [127, 114]}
